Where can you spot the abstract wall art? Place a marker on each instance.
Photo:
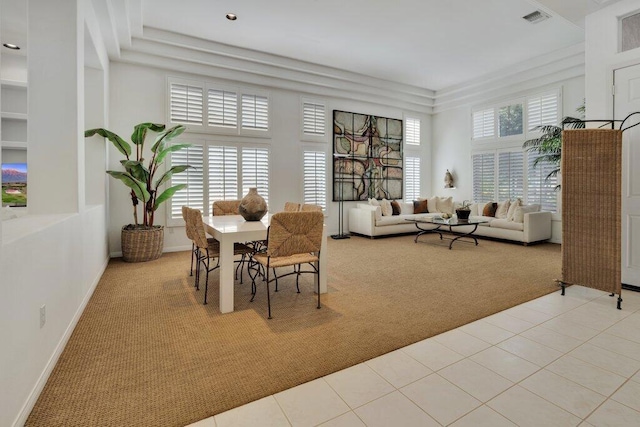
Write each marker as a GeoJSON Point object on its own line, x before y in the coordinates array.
{"type": "Point", "coordinates": [367, 157]}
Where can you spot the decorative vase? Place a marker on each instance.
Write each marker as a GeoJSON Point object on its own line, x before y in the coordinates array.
{"type": "Point", "coordinates": [463, 214]}
{"type": "Point", "coordinates": [252, 206]}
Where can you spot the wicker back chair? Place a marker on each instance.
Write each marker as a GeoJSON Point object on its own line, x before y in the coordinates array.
{"type": "Point", "coordinates": [207, 249]}
{"type": "Point", "coordinates": [185, 215]}
{"type": "Point", "coordinates": [293, 238]}
{"type": "Point", "coordinates": [311, 208]}
{"type": "Point", "coordinates": [225, 207]}
{"type": "Point", "coordinates": [291, 207]}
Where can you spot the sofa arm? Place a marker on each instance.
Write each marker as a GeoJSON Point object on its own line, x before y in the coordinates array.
{"type": "Point", "coordinates": [537, 226]}
{"type": "Point", "coordinates": [362, 219]}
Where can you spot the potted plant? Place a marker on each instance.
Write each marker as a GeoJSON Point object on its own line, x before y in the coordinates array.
{"type": "Point", "coordinates": [143, 241]}
{"type": "Point", "coordinates": [464, 211]}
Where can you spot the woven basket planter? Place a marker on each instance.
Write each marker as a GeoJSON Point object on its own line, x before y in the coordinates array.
{"type": "Point", "coordinates": [142, 243]}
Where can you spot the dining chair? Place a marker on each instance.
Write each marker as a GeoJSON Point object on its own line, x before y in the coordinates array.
{"type": "Point", "coordinates": [293, 238]}
{"type": "Point", "coordinates": [311, 208]}
{"type": "Point", "coordinates": [208, 249]}
{"type": "Point", "coordinates": [291, 207]}
{"type": "Point", "coordinates": [225, 207]}
{"type": "Point", "coordinates": [230, 207]}
{"type": "Point", "coordinates": [185, 214]}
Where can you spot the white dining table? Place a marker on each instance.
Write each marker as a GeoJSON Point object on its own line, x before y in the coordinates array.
{"type": "Point", "coordinates": [229, 229]}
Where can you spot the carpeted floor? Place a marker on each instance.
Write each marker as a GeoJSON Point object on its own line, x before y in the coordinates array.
{"type": "Point", "coordinates": [146, 352]}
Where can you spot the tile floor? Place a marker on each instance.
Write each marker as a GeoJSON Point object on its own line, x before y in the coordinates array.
{"type": "Point", "coordinates": [553, 361]}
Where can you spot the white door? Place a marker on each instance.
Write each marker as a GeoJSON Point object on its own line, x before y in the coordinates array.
{"type": "Point", "coordinates": [626, 101]}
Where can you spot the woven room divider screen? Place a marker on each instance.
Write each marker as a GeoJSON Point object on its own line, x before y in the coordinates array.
{"type": "Point", "coordinates": [591, 209]}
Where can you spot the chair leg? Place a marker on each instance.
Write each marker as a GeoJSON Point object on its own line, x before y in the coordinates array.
{"type": "Point", "coordinates": [197, 284]}
{"type": "Point", "coordinates": [268, 296]}
{"type": "Point", "coordinates": [318, 287]}
{"type": "Point", "coordinates": [206, 280]}
{"type": "Point", "coordinates": [297, 271]}
{"type": "Point", "coordinates": [192, 251]}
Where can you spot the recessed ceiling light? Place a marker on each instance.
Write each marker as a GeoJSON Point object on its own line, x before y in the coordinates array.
{"type": "Point", "coordinates": [11, 46]}
{"type": "Point", "coordinates": [231, 16]}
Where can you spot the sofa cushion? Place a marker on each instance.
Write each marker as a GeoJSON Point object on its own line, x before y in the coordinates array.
{"type": "Point", "coordinates": [374, 202]}
{"type": "Point", "coordinates": [420, 206]}
{"type": "Point", "coordinates": [518, 216]}
{"type": "Point", "coordinates": [385, 205]}
{"type": "Point", "coordinates": [502, 209]}
{"type": "Point", "coordinates": [445, 205]}
{"type": "Point", "coordinates": [506, 224]}
{"type": "Point", "coordinates": [512, 208]}
{"type": "Point", "coordinates": [406, 208]}
{"type": "Point", "coordinates": [391, 220]}
{"type": "Point", "coordinates": [395, 207]}
{"type": "Point", "coordinates": [489, 209]}
{"type": "Point", "coordinates": [432, 204]}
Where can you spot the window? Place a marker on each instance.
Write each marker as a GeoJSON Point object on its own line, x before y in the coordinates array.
{"type": "Point", "coordinates": [484, 124]}
{"type": "Point", "coordinates": [510, 120]}
{"type": "Point", "coordinates": [255, 112]}
{"type": "Point", "coordinates": [411, 178]}
{"type": "Point", "coordinates": [313, 119]}
{"type": "Point", "coordinates": [255, 171]}
{"type": "Point", "coordinates": [484, 167]}
{"type": "Point", "coordinates": [542, 110]}
{"type": "Point", "coordinates": [412, 131]}
{"type": "Point", "coordinates": [193, 194]}
{"type": "Point", "coordinates": [185, 104]}
{"type": "Point", "coordinates": [223, 173]}
{"type": "Point", "coordinates": [315, 178]}
{"type": "Point", "coordinates": [223, 108]}
{"type": "Point", "coordinates": [540, 190]}
{"type": "Point", "coordinates": [510, 175]}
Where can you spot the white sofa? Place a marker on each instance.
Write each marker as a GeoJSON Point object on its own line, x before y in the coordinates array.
{"type": "Point", "coordinates": [367, 220]}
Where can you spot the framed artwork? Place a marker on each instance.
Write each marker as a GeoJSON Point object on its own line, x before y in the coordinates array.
{"type": "Point", "coordinates": [14, 184]}
{"type": "Point", "coordinates": [367, 157]}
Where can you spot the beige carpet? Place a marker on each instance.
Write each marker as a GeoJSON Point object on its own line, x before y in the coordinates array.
{"type": "Point", "coordinates": [146, 352]}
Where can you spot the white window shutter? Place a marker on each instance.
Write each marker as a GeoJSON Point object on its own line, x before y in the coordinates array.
{"type": "Point", "coordinates": [542, 110]}
{"type": "Point", "coordinates": [510, 175]}
{"type": "Point", "coordinates": [193, 194]}
{"type": "Point", "coordinates": [186, 104]}
{"type": "Point", "coordinates": [412, 131]}
{"type": "Point", "coordinates": [411, 178]}
{"type": "Point", "coordinates": [255, 171]}
{"type": "Point", "coordinates": [223, 173]}
{"type": "Point", "coordinates": [539, 190]}
{"type": "Point", "coordinates": [484, 168]}
{"type": "Point", "coordinates": [255, 112]}
{"type": "Point", "coordinates": [484, 123]}
{"type": "Point", "coordinates": [315, 178]}
{"type": "Point", "coordinates": [223, 108]}
{"type": "Point", "coordinates": [313, 119]}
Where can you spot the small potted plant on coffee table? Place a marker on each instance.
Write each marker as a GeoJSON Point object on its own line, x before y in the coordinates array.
{"type": "Point", "coordinates": [464, 211]}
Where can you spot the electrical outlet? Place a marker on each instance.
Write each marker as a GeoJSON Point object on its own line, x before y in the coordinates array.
{"type": "Point", "coordinates": [43, 315]}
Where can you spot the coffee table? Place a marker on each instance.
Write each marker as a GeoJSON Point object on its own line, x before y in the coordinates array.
{"type": "Point", "coordinates": [447, 226]}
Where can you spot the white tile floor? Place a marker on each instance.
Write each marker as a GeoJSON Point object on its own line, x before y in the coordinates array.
{"type": "Point", "coordinates": [554, 361]}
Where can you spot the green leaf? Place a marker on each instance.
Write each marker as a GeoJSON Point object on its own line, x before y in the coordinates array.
{"type": "Point", "coordinates": [138, 187]}
{"type": "Point", "coordinates": [167, 194]}
{"type": "Point", "coordinates": [166, 136]}
{"type": "Point", "coordinates": [170, 149]}
{"type": "Point", "coordinates": [123, 146]}
{"type": "Point", "coordinates": [140, 132]}
{"type": "Point", "coordinates": [136, 169]}
{"type": "Point", "coordinates": [167, 175]}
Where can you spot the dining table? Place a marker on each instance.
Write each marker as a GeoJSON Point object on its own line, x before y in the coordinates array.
{"type": "Point", "coordinates": [229, 229]}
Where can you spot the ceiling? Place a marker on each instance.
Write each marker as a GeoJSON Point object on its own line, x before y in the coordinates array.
{"type": "Point", "coordinates": [432, 44]}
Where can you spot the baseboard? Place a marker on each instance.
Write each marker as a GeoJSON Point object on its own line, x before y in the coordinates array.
{"type": "Point", "coordinates": [631, 287]}
{"type": "Point", "coordinates": [171, 249]}
{"type": "Point", "coordinates": [21, 419]}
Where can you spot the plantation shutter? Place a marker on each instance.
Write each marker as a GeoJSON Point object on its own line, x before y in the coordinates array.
{"type": "Point", "coordinates": [483, 123]}
{"type": "Point", "coordinates": [313, 119]}
{"type": "Point", "coordinates": [255, 112]}
{"type": "Point", "coordinates": [542, 110]}
{"type": "Point", "coordinates": [510, 175]}
{"type": "Point", "coordinates": [193, 194]}
{"type": "Point", "coordinates": [539, 189]}
{"type": "Point", "coordinates": [484, 166]}
{"type": "Point", "coordinates": [315, 178]}
{"type": "Point", "coordinates": [255, 171]}
{"type": "Point", "coordinates": [411, 178]}
{"type": "Point", "coordinates": [223, 108]}
{"type": "Point", "coordinates": [412, 131]}
{"type": "Point", "coordinates": [223, 173]}
{"type": "Point", "coordinates": [186, 104]}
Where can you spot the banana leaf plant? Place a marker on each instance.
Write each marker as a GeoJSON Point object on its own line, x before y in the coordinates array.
{"type": "Point", "coordinates": [140, 178]}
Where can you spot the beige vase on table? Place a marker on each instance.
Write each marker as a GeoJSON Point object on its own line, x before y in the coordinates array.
{"type": "Point", "coordinates": [253, 207]}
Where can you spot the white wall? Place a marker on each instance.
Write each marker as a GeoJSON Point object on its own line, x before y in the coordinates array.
{"type": "Point", "coordinates": [138, 94]}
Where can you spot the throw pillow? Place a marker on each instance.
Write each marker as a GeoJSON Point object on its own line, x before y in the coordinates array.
{"type": "Point", "coordinates": [490, 209]}
{"type": "Point", "coordinates": [518, 216]}
{"type": "Point", "coordinates": [432, 205]}
{"type": "Point", "coordinates": [445, 205]}
{"type": "Point", "coordinates": [374, 202]}
{"type": "Point", "coordinates": [502, 209]}
{"type": "Point", "coordinates": [420, 206]}
{"type": "Point", "coordinates": [385, 206]}
{"type": "Point", "coordinates": [395, 207]}
{"type": "Point", "coordinates": [512, 209]}
{"type": "Point", "coordinates": [406, 208]}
